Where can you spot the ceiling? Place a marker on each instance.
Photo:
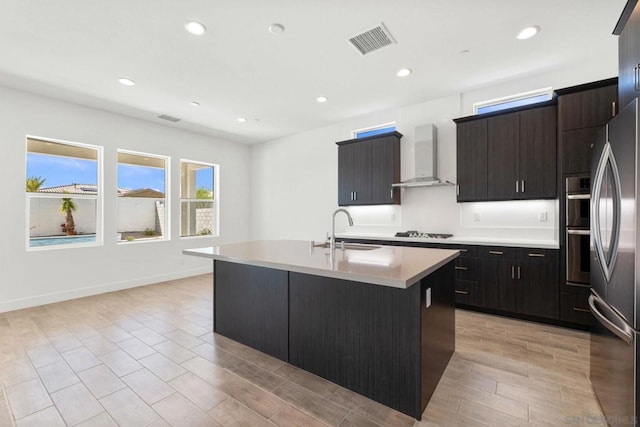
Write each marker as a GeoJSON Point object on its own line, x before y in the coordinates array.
{"type": "Point", "coordinates": [76, 49]}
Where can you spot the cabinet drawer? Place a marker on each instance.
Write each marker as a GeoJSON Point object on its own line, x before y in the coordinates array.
{"type": "Point", "coordinates": [497, 252]}
{"type": "Point", "coordinates": [466, 292]}
{"type": "Point", "coordinates": [467, 268]}
{"type": "Point", "coordinates": [533, 254]}
{"type": "Point", "coordinates": [574, 306]}
{"type": "Point", "coordinates": [468, 251]}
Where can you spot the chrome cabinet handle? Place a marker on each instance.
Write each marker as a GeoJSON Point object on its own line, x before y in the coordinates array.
{"type": "Point", "coordinates": [463, 250]}
{"type": "Point", "coordinates": [533, 255]}
{"type": "Point", "coordinates": [518, 272]}
{"type": "Point", "coordinates": [580, 232]}
{"type": "Point", "coordinates": [613, 109]}
{"type": "Point", "coordinates": [512, 272]}
{"type": "Point", "coordinates": [391, 193]}
{"type": "Point", "coordinates": [496, 252]}
{"type": "Point", "coordinates": [461, 292]}
{"type": "Point", "coordinates": [578, 196]}
{"type": "Point", "coordinates": [522, 186]}
{"type": "Point", "coordinates": [581, 310]}
{"type": "Point", "coordinates": [457, 267]}
{"type": "Point", "coordinates": [517, 186]}
{"type": "Point", "coordinates": [355, 195]}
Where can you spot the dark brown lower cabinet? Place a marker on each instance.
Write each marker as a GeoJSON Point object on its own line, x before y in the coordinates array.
{"type": "Point", "coordinates": [381, 342]}
{"type": "Point", "coordinates": [496, 290]}
{"type": "Point", "coordinates": [537, 283]}
{"type": "Point", "coordinates": [523, 281]}
{"type": "Point", "coordinates": [574, 306]}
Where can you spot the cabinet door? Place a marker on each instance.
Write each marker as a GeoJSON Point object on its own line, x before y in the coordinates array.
{"type": "Point", "coordinates": [471, 155]}
{"type": "Point", "coordinates": [362, 173]}
{"type": "Point", "coordinates": [576, 148]}
{"type": "Point", "coordinates": [385, 170]}
{"type": "Point", "coordinates": [629, 60]}
{"type": "Point", "coordinates": [537, 283]}
{"type": "Point", "coordinates": [503, 133]}
{"type": "Point", "coordinates": [537, 153]}
{"type": "Point", "coordinates": [346, 155]}
{"type": "Point", "coordinates": [354, 173]}
{"type": "Point", "coordinates": [587, 108]}
{"type": "Point", "coordinates": [496, 288]}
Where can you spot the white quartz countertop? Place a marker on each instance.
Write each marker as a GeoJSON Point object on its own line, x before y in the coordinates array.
{"type": "Point", "coordinates": [482, 241]}
{"type": "Point", "coordinates": [394, 266]}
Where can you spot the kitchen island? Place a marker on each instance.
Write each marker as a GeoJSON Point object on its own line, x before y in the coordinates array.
{"type": "Point", "coordinates": [378, 320]}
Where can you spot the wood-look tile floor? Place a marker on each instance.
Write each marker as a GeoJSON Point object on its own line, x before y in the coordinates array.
{"type": "Point", "coordinates": [148, 356]}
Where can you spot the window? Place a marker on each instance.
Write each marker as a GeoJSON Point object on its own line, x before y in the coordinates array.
{"type": "Point", "coordinates": [512, 101]}
{"type": "Point", "coordinates": [374, 130]}
{"type": "Point", "coordinates": [198, 199]}
{"type": "Point", "coordinates": [142, 188]}
{"type": "Point", "coordinates": [63, 190]}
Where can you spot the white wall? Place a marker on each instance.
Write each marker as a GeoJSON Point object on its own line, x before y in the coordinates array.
{"type": "Point", "coordinates": [45, 218]}
{"type": "Point", "coordinates": [30, 278]}
{"type": "Point", "coordinates": [294, 179]}
{"type": "Point", "coordinates": [136, 214]}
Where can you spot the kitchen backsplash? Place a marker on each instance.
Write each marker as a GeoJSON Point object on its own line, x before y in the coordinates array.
{"type": "Point", "coordinates": [423, 210]}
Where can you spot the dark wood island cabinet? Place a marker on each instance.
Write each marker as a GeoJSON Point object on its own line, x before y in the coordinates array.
{"type": "Point", "coordinates": [378, 320]}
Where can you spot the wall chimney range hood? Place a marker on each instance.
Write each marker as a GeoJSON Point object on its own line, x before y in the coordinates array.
{"type": "Point", "coordinates": [425, 156]}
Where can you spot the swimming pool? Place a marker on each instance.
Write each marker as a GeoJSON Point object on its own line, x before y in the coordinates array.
{"type": "Point", "coordinates": [60, 240]}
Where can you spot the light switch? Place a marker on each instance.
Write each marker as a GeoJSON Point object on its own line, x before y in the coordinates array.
{"type": "Point", "coordinates": [428, 303]}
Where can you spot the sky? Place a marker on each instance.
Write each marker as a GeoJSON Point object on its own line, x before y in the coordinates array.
{"type": "Point", "coordinates": [59, 170]}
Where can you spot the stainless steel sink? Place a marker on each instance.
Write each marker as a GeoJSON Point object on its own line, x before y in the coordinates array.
{"type": "Point", "coordinates": [348, 246]}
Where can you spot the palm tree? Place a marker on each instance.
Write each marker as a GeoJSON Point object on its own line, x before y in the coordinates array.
{"type": "Point", "coordinates": [68, 206]}
{"type": "Point", "coordinates": [34, 183]}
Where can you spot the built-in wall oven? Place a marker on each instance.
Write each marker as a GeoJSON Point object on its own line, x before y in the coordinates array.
{"type": "Point", "coordinates": [577, 201]}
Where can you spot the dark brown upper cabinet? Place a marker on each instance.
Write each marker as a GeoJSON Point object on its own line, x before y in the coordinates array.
{"type": "Point", "coordinates": [520, 157]}
{"type": "Point", "coordinates": [366, 169]}
{"type": "Point", "coordinates": [582, 111]}
{"type": "Point", "coordinates": [628, 29]}
{"type": "Point", "coordinates": [587, 108]}
{"type": "Point", "coordinates": [471, 159]}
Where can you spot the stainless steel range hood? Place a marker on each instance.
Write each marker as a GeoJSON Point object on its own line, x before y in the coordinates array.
{"type": "Point", "coordinates": [425, 156]}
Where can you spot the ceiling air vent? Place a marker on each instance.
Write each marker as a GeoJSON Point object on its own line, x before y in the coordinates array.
{"type": "Point", "coordinates": [169, 118]}
{"type": "Point", "coordinates": [372, 39]}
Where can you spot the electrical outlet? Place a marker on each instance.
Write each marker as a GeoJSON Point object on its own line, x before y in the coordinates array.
{"type": "Point", "coordinates": [542, 216]}
{"type": "Point", "coordinates": [476, 216]}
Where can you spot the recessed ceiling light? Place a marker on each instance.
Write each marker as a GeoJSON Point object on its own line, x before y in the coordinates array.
{"type": "Point", "coordinates": [127, 82]}
{"type": "Point", "coordinates": [404, 72]}
{"type": "Point", "coordinates": [528, 32]}
{"type": "Point", "coordinates": [276, 29]}
{"type": "Point", "coordinates": [241, 119]}
{"type": "Point", "coordinates": [195, 28]}
{"type": "Point", "coordinates": [322, 99]}
{"type": "Point", "coordinates": [194, 103]}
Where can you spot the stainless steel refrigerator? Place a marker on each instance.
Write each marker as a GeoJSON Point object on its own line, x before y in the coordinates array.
{"type": "Point", "coordinates": [615, 282]}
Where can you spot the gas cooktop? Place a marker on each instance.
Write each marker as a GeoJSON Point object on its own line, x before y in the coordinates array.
{"type": "Point", "coordinates": [421, 235]}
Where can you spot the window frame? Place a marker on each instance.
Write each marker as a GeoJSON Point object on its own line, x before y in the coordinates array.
{"type": "Point", "coordinates": [547, 91]}
{"type": "Point", "coordinates": [215, 202]}
{"type": "Point", "coordinates": [98, 197]}
{"type": "Point", "coordinates": [167, 199]}
{"type": "Point", "coordinates": [355, 133]}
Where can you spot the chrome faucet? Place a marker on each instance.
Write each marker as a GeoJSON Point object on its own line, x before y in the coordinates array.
{"type": "Point", "coordinates": [333, 227]}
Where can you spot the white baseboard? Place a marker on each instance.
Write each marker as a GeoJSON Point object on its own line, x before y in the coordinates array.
{"type": "Point", "coordinates": [20, 303]}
